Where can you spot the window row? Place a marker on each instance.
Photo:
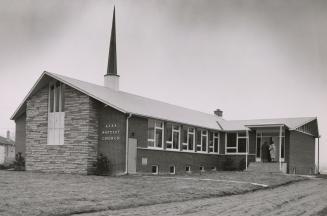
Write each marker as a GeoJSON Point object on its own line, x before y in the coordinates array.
{"type": "Point", "coordinates": [172, 169]}
{"type": "Point", "coordinates": [185, 138]}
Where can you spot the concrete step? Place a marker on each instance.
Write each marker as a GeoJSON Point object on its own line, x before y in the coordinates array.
{"type": "Point", "coordinates": [263, 167]}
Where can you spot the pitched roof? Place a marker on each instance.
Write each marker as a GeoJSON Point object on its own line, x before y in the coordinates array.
{"type": "Point", "coordinates": [130, 103]}
{"type": "Point", "coordinates": [137, 105]}
{"type": "Point", "coordinates": [5, 141]}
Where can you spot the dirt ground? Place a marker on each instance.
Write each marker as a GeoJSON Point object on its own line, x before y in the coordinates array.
{"type": "Point", "coordinates": [27, 193]}
{"type": "Point", "coordinates": [301, 198]}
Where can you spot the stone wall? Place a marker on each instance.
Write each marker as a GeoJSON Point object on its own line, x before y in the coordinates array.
{"type": "Point", "coordinates": [81, 134]}
{"type": "Point", "coordinates": [20, 141]}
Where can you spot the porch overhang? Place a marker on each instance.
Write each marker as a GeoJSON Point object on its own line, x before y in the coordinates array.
{"type": "Point", "coordinates": [265, 126]}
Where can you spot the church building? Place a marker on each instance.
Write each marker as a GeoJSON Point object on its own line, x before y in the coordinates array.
{"type": "Point", "coordinates": [63, 124]}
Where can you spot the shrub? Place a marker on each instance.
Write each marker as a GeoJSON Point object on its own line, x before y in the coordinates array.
{"type": "Point", "coordinates": [19, 163]}
{"type": "Point", "coordinates": [102, 165]}
{"type": "Point", "coordinates": [229, 165]}
{"type": "Point", "coordinates": [6, 166]}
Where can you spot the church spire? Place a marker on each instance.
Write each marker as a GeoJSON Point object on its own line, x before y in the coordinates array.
{"type": "Point", "coordinates": [111, 79]}
{"type": "Point", "coordinates": [112, 60]}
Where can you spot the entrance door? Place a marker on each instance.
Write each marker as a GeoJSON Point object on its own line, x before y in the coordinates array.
{"type": "Point", "coordinates": [132, 143]}
{"type": "Point", "coordinates": [265, 153]}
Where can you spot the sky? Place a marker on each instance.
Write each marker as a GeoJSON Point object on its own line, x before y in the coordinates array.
{"type": "Point", "coordinates": [252, 59]}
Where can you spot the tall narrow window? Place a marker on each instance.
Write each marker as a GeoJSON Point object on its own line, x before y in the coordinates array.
{"type": "Point", "coordinates": [173, 140]}
{"type": "Point", "coordinates": [202, 140]}
{"type": "Point", "coordinates": [184, 138]}
{"type": "Point", "coordinates": [258, 153]}
{"type": "Point", "coordinates": [155, 133]}
{"type": "Point", "coordinates": [231, 146]}
{"type": "Point", "coordinates": [283, 149]}
{"type": "Point", "coordinates": [191, 138]}
{"type": "Point", "coordinates": [188, 139]}
{"type": "Point", "coordinates": [56, 115]}
{"type": "Point", "coordinates": [51, 100]}
{"type": "Point", "coordinates": [213, 142]}
{"type": "Point", "coordinates": [241, 142]}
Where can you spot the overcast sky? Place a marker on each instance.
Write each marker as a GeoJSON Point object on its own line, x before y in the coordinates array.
{"type": "Point", "coordinates": [252, 59]}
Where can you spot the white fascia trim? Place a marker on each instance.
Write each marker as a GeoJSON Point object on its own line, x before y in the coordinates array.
{"type": "Point", "coordinates": [28, 94]}
{"type": "Point", "coordinates": [176, 122]}
{"type": "Point", "coordinates": [168, 150]}
{"type": "Point", "coordinates": [266, 125]}
{"type": "Point", "coordinates": [309, 134]}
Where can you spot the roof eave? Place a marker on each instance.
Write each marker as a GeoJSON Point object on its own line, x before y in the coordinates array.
{"type": "Point", "coordinates": [18, 111]}
{"type": "Point", "coordinates": [13, 117]}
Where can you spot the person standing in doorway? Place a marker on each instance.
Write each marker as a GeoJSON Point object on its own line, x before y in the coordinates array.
{"type": "Point", "coordinates": [272, 150]}
{"type": "Point", "coordinates": [265, 152]}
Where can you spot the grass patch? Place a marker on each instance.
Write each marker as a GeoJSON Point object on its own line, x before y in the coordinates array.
{"type": "Point", "coordinates": [27, 193]}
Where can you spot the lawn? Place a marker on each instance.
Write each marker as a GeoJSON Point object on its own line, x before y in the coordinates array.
{"type": "Point", "coordinates": [27, 193]}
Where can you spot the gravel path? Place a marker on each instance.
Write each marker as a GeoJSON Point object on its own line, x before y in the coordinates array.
{"type": "Point", "coordinates": [301, 198]}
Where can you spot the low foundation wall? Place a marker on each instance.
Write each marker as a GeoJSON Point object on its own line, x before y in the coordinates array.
{"type": "Point", "coordinates": [146, 158]}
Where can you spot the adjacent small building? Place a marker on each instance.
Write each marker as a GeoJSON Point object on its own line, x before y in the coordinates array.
{"type": "Point", "coordinates": [7, 149]}
{"type": "Point", "coordinates": [63, 124]}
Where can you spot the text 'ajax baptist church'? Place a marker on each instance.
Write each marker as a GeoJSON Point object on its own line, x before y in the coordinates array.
{"type": "Point", "coordinates": [63, 124]}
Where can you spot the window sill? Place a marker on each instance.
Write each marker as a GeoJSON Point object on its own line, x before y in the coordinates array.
{"type": "Point", "coordinates": [184, 150]}
{"type": "Point", "coordinates": [55, 144]}
{"type": "Point", "coordinates": [157, 148]}
{"type": "Point", "coordinates": [175, 150]}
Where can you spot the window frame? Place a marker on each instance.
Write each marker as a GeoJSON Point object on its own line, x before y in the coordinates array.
{"type": "Point", "coordinates": [157, 170]}
{"type": "Point", "coordinates": [189, 168]}
{"type": "Point", "coordinates": [237, 142]}
{"type": "Point", "coordinates": [189, 134]}
{"type": "Point", "coordinates": [61, 97]}
{"type": "Point", "coordinates": [214, 137]}
{"type": "Point", "coordinates": [56, 117]}
{"type": "Point", "coordinates": [174, 167]}
{"type": "Point", "coordinates": [171, 142]}
{"type": "Point", "coordinates": [155, 146]}
{"type": "Point", "coordinates": [201, 144]}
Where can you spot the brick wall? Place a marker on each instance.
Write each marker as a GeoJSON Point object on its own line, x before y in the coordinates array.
{"type": "Point", "coordinates": [165, 159]}
{"type": "Point", "coordinates": [302, 153]}
{"type": "Point", "coordinates": [112, 136]}
{"type": "Point", "coordinates": [20, 134]}
{"type": "Point", "coordinates": [81, 134]}
{"type": "Point", "coordinates": [138, 128]}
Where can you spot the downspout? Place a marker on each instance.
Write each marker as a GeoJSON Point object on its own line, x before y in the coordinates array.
{"type": "Point", "coordinates": [127, 144]}
{"type": "Point", "coordinates": [280, 147]}
{"type": "Point", "coordinates": [247, 150]}
{"type": "Point", "coordinates": [318, 154]}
